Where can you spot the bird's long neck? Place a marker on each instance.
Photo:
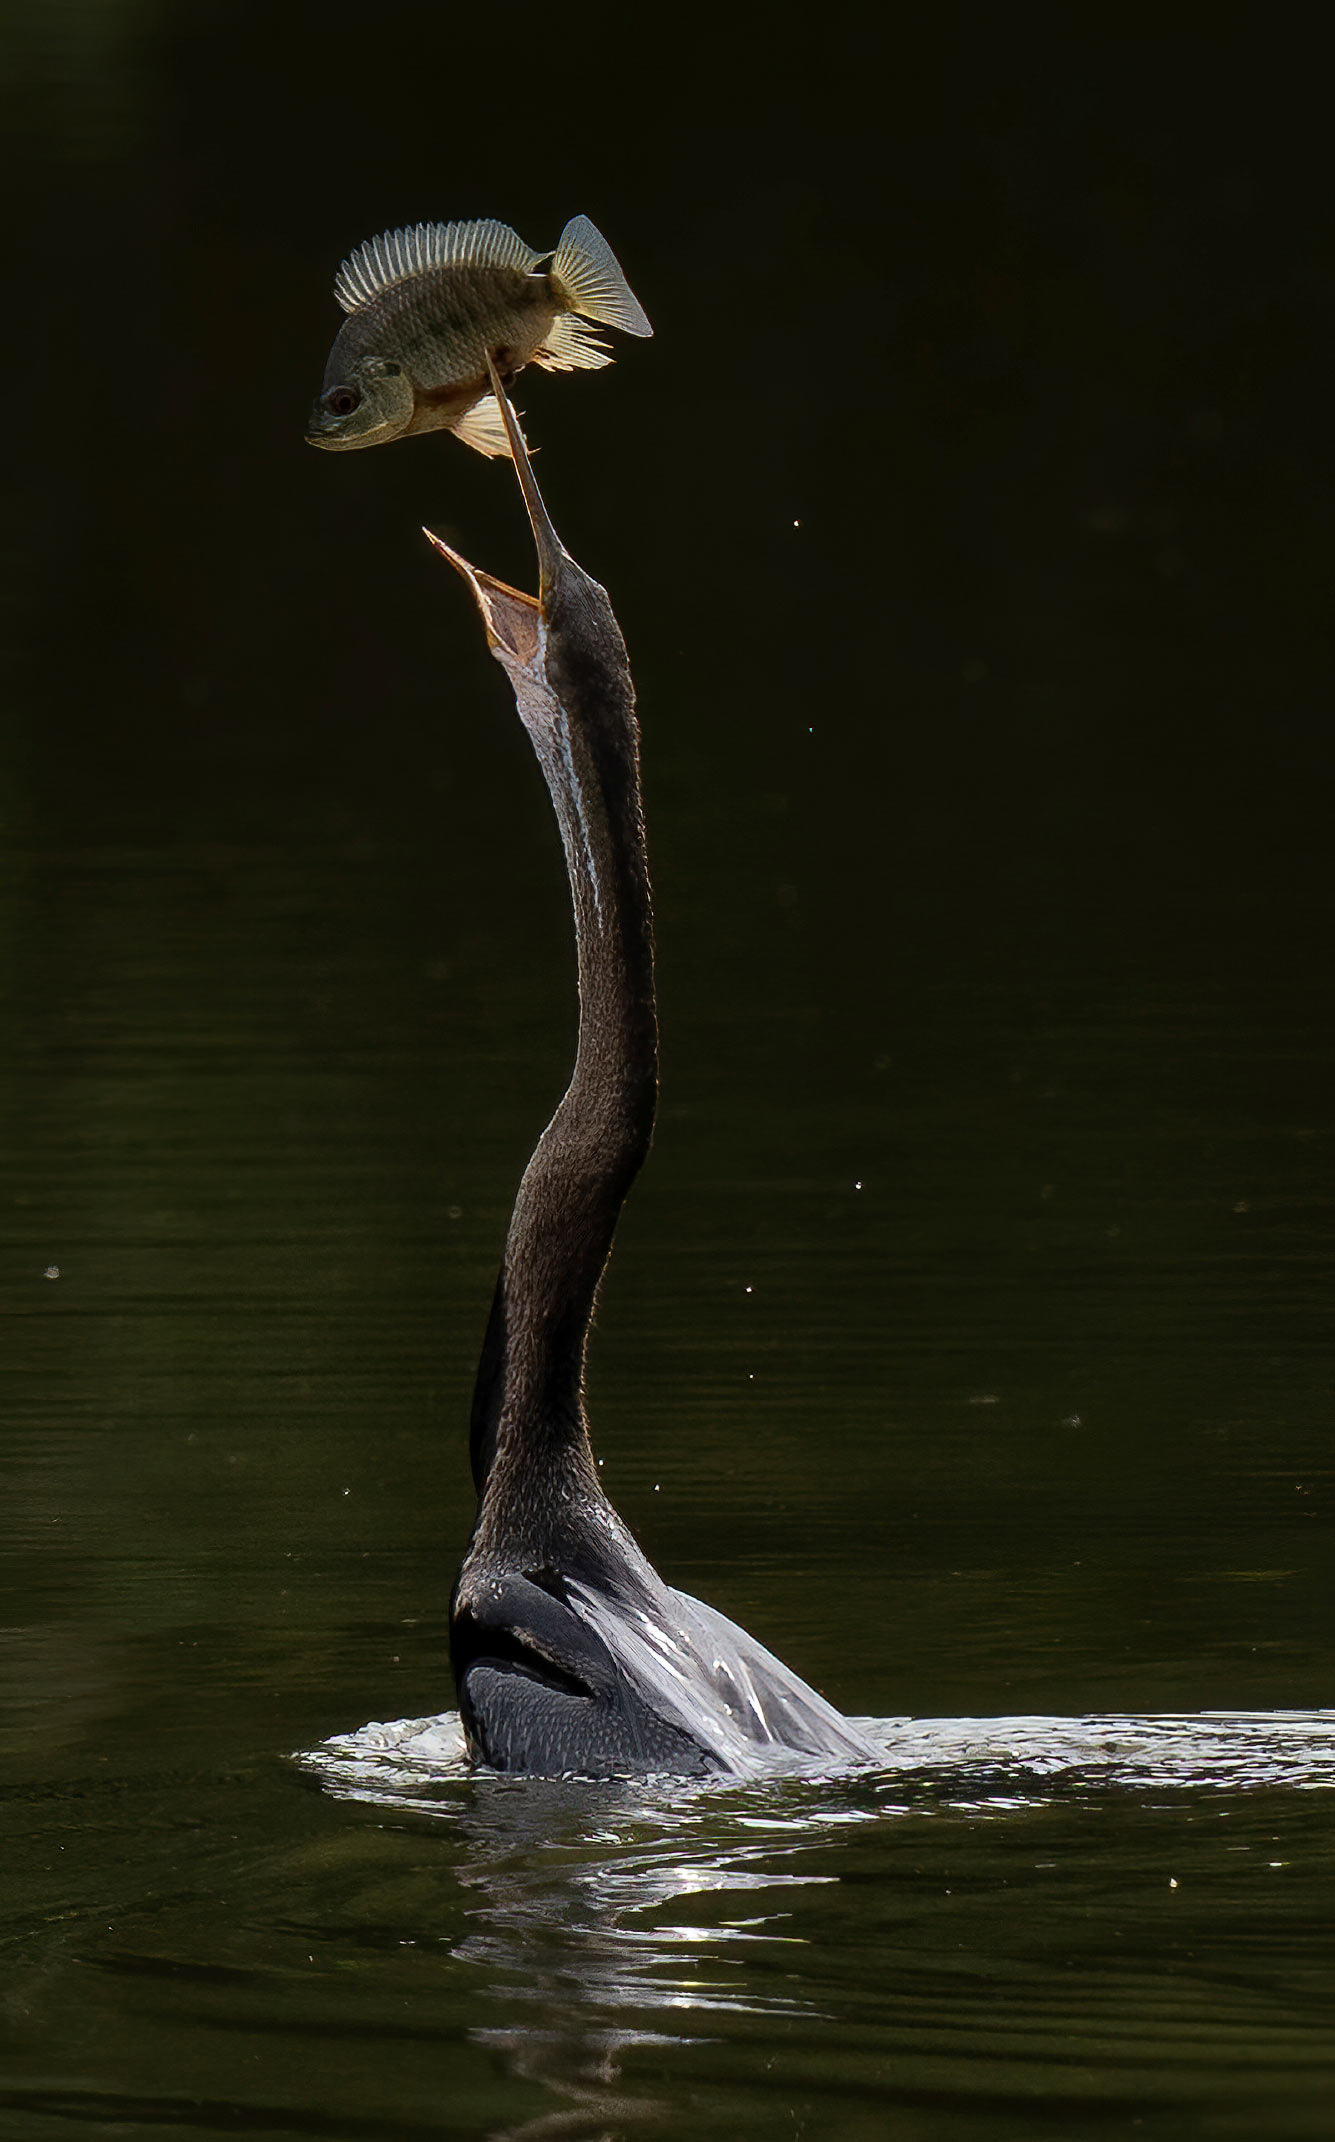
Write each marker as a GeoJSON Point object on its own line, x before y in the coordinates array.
{"type": "Point", "coordinates": [529, 1434]}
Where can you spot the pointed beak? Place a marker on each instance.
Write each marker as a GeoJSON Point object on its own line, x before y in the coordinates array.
{"type": "Point", "coordinates": [511, 619]}
{"type": "Point", "coordinates": [551, 550]}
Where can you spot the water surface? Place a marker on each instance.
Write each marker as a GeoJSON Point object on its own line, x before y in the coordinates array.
{"type": "Point", "coordinates": [969, 1336]}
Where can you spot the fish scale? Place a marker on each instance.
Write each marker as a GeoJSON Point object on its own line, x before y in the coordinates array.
{"type": "Point", "coordinates": [428, 303]}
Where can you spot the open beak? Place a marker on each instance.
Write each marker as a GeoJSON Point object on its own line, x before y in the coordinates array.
{"type": "Point", "coordinates": [511, 618]}
{"type": "Point", "coordinates": [551, 551]}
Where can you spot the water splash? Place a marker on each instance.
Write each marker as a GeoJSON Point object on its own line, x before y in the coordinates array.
{"type": "Point", "coordinates": [984, 1762]}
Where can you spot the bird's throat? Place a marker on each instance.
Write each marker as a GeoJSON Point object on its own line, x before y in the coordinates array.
{"type": "Point", "coordinates": [567, 665]}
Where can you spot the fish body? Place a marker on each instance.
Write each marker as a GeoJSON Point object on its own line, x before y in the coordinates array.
{"type": "Point", "coordinates": [426, 308]}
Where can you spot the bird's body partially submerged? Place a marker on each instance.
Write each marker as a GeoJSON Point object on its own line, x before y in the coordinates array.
{"type": "Point", "coordinates": [570, 1652]}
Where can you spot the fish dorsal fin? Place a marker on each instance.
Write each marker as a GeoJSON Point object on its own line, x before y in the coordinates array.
{"type": "Point", "coordinates": [589, 276]}
{"type": "Point", "coordinates": [483, 428]}
{"type": "Point", "coordinates": [397, 255]}
{"type": "Point", "coordinates": [571, 345]}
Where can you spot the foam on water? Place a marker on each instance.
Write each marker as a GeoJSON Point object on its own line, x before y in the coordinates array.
{"type": "Point", "coordinates": [418, 1762]}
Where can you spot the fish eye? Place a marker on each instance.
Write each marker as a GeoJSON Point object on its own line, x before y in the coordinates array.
{"type": "Point", "coordinates": [341, 401]}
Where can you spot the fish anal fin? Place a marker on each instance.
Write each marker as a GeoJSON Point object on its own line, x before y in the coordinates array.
{"type": "Point", "coordinates": [572, 346]}
{"type": "Point", "coordinates": [483, 428]}
{"type": "Point", "coordinates": [588, 275]}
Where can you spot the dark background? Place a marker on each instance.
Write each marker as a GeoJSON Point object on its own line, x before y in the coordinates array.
{"type": "Point", "coordinates": [970, 522]}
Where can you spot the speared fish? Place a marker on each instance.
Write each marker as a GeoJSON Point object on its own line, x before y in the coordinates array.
{"type": "Point", "coordinates": [427, 307]}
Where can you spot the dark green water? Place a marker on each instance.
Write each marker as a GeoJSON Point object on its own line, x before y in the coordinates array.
{"type": "Point", "coordinates": [969, 1337]}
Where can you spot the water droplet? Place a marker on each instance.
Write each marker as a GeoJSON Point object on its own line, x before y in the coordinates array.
{"type": "Point", "coordinates": [52, 1272]}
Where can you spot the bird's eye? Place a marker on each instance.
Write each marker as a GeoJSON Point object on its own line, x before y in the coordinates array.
{"type": "Point", "coordinates": [341, 401]}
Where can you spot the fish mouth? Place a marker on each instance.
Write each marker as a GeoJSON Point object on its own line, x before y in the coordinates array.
{"type": "Point", "coordinates": [331, 432]}
{"type": "Point", "coordinates": [325, 430]}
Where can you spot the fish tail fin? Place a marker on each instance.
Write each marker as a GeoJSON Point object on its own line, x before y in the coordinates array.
{"type": "Point", "coordinates": [588, 276]}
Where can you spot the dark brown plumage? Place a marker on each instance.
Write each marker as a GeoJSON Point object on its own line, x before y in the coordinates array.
{"type": "Point", "coordinates": [571, 1653]}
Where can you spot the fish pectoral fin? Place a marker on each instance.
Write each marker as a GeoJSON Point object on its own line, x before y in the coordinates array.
{"type": "Point", "coordinates": [588, 276]}
{"type": "Point", "coordinates": [572, 346]}
{"type": "Point", "coordinates": [483, 428]}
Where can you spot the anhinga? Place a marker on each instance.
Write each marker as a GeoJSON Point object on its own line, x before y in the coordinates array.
{"type": "Point", "coordinates": [570, 1652]}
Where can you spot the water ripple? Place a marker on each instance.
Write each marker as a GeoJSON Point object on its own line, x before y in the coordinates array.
{"type": "Point", "coordinates": [995, 1763]}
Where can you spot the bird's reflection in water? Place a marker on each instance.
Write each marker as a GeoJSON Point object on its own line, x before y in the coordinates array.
{"type": "Point", "coordinates": [579, 1893]}
{"type": "Point", "coordinates": [604, 1919]}
{"type": "Point", "coordinates": [609, 1916]}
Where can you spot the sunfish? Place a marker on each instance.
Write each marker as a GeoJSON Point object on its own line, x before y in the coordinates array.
{"type": "Point", "coordinates": [427, 306]}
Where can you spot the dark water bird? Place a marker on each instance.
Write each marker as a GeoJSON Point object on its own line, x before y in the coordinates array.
{"type": "Point", "coordinates": [429, 307]}
{"type": "Point", "coordinates": [570, 1652]}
